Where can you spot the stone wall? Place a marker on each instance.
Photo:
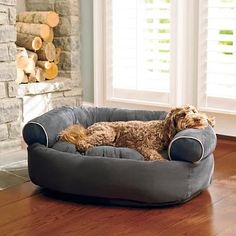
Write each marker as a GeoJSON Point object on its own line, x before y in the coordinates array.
{"type": "Point", "coordinates": [18, 104]}
{"type": "Point", "coordinates": [10, 106]}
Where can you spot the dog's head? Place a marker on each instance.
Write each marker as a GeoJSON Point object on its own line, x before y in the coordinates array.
{"type": "Point", "coordinates": [188, 117]}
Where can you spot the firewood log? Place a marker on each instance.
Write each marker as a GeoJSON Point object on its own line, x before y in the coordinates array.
{"type": "Point", "coordinates": [38, 75]}
{"type": "Point", "coordinates": [28, 41]}
{"type": "Point", "coordinates": [44, 64]}
{"type": "Point", "coordinates": [47, 52]}
{"type": "Point", "coordinates": [32, 78]}
{"type": "Point", "coordinates": [58, 54]}
{"type": "Point", "coordinates": [29, 69]}
{"type": "Point", "coordinates": [32, 55]}
{"type": "Point", "coordinates": [21, 58]}
{"type": "Point", "coordinates": [52, 72]}
{"type": "Point", "coordinates": [21, 76]}
{"type": "Point", "coordinates": [50, 38]}
{"type": "Point", "coordinates": [41, 30]}
{"type": "Point", "coordinates": [39, 17]}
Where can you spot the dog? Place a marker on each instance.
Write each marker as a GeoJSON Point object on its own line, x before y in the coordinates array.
{"type": "Point", "coordinates": [146, 137]}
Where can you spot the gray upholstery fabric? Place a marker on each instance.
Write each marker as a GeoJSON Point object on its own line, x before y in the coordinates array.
{"type": "Point", "coordinates": [103, 151]}
{"type": "Point", "coordinates": [65, 147]}
{"type": "Point", "coordinates": [148, 182]}
{"type": "Point", "coordinates": [107, 151]}
{"type": "Point", "coordinates": [192, 144]}
{"type": "Point", "coordinates": [125, 177]}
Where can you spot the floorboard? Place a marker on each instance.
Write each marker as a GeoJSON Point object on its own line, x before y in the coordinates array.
{"type": "Point", "coordinates": [26, 211]}
{"type": "Point", "coordinates": [17, 193]}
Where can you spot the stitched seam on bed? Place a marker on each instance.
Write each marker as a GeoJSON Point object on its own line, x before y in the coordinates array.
{"type": "Point", "coordinates": [44, 130]}
{"type": "Point", "coordinates": [186, 137]}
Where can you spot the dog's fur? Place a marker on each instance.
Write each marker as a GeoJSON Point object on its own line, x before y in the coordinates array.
{"type": "Point", "coordinates": [147, 137]}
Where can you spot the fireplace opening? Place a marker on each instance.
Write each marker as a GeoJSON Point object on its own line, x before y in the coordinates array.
{"type": "Point", "coordinates": [52, 75]}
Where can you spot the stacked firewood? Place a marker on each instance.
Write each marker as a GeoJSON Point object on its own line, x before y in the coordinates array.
{"type": "Point", "coordinates": [36, 58]}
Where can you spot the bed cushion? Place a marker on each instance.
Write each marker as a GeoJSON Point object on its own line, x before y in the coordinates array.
{"type": "Point", "coordinates": [103, 151]}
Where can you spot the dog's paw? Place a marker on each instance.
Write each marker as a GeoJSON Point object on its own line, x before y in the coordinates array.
{"type": "Point", "coordinates": [83, 146]}
{"type": "Point", "coordinates": [156, 158]}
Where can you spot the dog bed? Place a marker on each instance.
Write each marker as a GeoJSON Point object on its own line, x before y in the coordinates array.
{"type": "Point", "coordinates": [119, 175]}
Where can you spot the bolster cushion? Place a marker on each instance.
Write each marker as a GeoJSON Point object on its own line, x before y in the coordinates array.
{"type": "Point", "coordinates": [192, 145]}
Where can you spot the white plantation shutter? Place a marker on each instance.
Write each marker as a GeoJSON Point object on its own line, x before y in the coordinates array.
{"type": "Point", "coordinates": [217, 58]}
{"type": "Point", "coordinates": [138, 56]}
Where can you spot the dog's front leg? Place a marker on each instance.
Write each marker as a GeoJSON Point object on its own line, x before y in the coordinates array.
{"type": "Point", "coordinates": [150, 154]}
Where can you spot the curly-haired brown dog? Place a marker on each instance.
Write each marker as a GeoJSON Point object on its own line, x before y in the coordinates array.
{"type": "Point", "coordinates": [147, 137]}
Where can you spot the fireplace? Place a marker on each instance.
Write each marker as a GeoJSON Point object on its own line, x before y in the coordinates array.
{"type": "Point", "coordinates": [20, 103]}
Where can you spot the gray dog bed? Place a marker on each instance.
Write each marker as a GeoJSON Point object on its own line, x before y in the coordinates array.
{"type": "Point", "coordinates": [119, 175]}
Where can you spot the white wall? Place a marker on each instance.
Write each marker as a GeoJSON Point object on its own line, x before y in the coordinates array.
{"type": "Point", "coordinates": [86, 32]}
{"type": "Point", "coordinates": [20, 5]}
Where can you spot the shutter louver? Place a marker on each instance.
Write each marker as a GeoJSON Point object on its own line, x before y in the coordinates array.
{"type": "Point", "coordinates": [140, 44]}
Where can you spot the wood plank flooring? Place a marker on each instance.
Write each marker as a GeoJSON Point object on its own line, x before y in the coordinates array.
{"type": "Point", "coordinates": [24, 210]}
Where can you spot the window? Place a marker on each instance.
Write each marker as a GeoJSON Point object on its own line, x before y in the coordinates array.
{"type": "Point", "coordinates": [138, 48]}
{"type": "Point", "coordinates": [217, 60]}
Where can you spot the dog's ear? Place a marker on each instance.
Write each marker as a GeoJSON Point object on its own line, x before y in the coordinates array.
{"type": "Point", "coordinates": [170, 126]}
{"type": "Point", "coordinates": [211, 121]}
{"type": "Point", "coordinates": [172, 116]}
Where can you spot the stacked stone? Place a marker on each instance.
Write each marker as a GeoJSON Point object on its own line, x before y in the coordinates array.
{"type": "Point", "coordinates": [10, 106]}
{"type": "Point", "coordinates": [68, 39]}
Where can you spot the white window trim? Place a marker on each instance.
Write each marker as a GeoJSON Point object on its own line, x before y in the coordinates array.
{"type": "Point", "coordinates": [98, 47]}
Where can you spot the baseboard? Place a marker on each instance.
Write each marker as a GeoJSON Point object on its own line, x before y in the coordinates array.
{"type": "Point", "coordinates": [225, 137]}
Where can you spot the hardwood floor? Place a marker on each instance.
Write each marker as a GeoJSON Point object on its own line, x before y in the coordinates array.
{"type": "Point", "coordinates": [24, 210]}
